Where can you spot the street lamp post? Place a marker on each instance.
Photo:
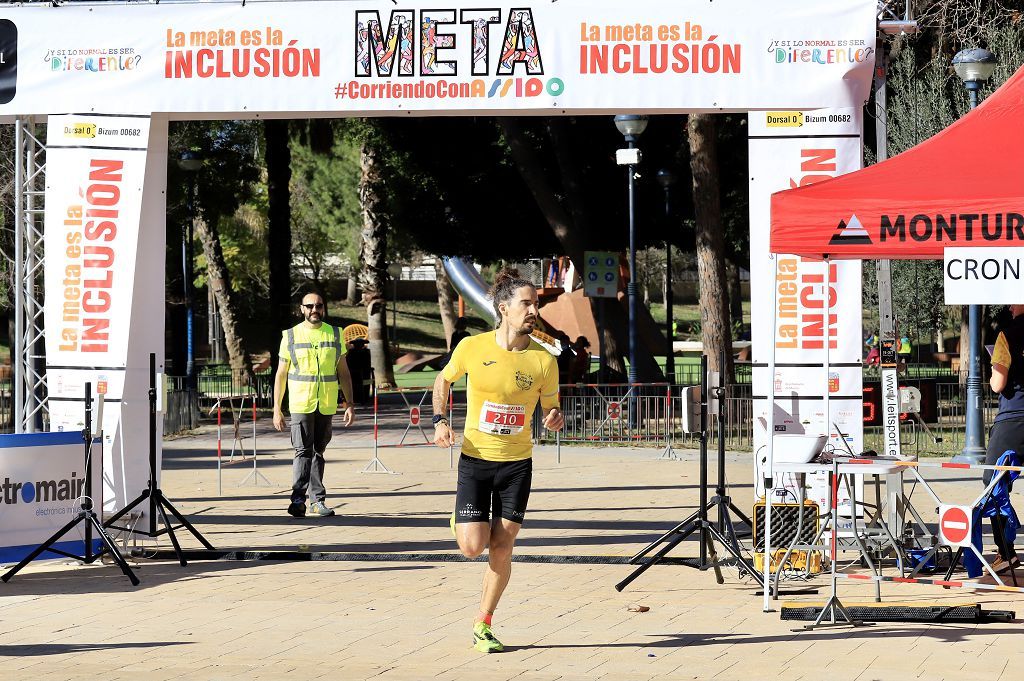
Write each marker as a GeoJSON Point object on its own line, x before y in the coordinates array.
{"type": "Point", "coordinates": [395, 272]}
{"type": "Point", "coordinates": [666, 178]}
{"type": "Point", "coordinates": [631, 126]}
{"type": "Point", "coordinates": [974, 67]}
{"type": "Point", "coordinates": [190, 162]}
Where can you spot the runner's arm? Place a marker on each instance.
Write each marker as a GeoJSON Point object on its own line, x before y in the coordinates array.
{"type": "Point", "coordinates": [549, 400]}
{"type": "Point", "coordinates": [443, 435]}
{"type": "Point", "coordinates": [1001, 360]}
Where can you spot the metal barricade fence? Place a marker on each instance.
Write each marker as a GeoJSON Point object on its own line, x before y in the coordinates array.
{"type": "Point", "coordinates": [597, 414]}
{"type": "Point", "coordinates": [946, 435]}
{"type": "Point", "coordinates": [181, 410]}
{"type": "Point", "coordinates": [614, 413]}
{"type": "Point", "coordinates": [237, 414]}
{"type": "Point", "coordinates": [401, 418]}
{"type": "Point", "coordinates": [636, 414]}
{"type": "Point", "coordinates": [218, 382]}
{"type": "Point", "coordinates": [642, 415]}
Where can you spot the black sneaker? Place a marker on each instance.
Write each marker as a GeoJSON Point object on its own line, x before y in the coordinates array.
{"type": "Point", "coordinates": [297, 509]}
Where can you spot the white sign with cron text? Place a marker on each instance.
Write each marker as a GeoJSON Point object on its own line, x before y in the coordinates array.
{"type": "Point", "coordinates": [983, 275]}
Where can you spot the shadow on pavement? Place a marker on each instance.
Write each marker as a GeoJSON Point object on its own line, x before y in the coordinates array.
{"type": "Point", "coordinates": [35, 650]}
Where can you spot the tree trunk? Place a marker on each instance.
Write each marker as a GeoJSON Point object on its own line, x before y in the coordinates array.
{"type": "Point", "coordinates": [279, 222]}
{"type": "Point", "coordinates": [714, 299]}
{"type": "Point", "coordinates": [352, 290]}
{"type": "Point", "coordinates": [374, 276]}
{"type": "Point", "coordinates": [445, 300]}
{"type": "Point", "coordinates": [219, 280]}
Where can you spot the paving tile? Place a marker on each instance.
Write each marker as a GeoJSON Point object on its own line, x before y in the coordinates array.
{"type": "Point", "coordinates": [410, 617]}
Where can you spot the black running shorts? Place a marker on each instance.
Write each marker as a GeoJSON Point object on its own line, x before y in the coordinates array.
{"type": "Point", "coordinates": [505, 484]}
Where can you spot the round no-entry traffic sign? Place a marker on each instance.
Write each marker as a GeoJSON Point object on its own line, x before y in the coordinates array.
{"type": "Point", "coordinates": [613, 410]}
{"type": "Point", "coordinates": [955, 525]}
{"type": "Point", "coordinates": [414, 416]}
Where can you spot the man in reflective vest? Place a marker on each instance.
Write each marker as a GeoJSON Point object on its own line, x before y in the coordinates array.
{"type": "Point", "coordinates": [312, 364]}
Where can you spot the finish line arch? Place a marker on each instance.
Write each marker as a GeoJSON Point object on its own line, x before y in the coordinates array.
{"type": "Point", "coordinates": [110, 76]}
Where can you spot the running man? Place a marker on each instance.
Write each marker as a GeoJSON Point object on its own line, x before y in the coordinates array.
{"type": "Point", "coordinates": [508, 374]}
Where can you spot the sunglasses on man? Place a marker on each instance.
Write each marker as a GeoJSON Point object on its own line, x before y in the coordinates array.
{"type": "Point", "coordinates": [313, 306]}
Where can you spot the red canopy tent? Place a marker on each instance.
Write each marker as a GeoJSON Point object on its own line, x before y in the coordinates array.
{"type": "Point", "coordinates": [963, 187]}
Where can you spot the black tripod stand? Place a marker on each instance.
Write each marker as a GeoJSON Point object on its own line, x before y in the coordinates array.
{"type": "Point", "coordinates": [85, 515]}
{"type": "Point", "coordinates": [158, 503]}
{"type": "Point", "coordinates": [725, 531]}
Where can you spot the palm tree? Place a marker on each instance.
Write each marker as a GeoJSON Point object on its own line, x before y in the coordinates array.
{"type": "Point", "coordinates": [373, 256]}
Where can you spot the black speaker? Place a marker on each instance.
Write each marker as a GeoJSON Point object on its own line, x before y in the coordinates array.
{"type": "Point", "coordinates": [784, 523]}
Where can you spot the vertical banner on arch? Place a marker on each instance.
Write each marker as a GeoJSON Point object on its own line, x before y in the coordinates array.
{"type": "Point", "coordinates": [94, 272]}
{"type": "Point", "coordinates": [791, 149]}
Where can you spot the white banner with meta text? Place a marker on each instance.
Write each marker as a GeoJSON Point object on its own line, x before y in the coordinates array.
{"type": "Point", "coordinates": [338, 57]}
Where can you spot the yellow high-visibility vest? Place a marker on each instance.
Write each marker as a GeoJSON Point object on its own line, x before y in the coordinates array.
{"type": "Point", "coordinates": [313, 355]}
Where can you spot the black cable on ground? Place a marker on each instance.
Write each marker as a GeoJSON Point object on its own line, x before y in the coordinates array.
{"type": "Point", "coordinates": [342, 556]}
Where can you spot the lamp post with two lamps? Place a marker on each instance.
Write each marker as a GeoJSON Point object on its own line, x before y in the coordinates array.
{"type": "Point", "coordinates": [974, 67]}
{"type": "Point", "coordinates": [190, 162]}
{"type": "Point", "coordinates": [631, 126]}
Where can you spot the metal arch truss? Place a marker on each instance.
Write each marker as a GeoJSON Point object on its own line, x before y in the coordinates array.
{"type": "Point", "coordinates": [896, 17]}
{"type": "Point", "coordinates": [30, 405]}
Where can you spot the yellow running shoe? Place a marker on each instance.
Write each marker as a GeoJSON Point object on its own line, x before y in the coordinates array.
{"type": "Point", "coordinates": [483, 639]}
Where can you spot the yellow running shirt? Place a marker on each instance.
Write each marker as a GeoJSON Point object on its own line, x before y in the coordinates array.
{"type": "Point", "coordinates": [502, 390]}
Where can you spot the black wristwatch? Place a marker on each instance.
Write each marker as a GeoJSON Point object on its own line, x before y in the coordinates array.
{"type": "Point", "coordinates": [438, 418]}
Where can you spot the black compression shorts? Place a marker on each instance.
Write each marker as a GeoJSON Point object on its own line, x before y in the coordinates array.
{"type": "Point", "coordinates": [505, 485]}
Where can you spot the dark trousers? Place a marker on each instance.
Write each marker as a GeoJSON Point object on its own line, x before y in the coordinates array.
{"type": "Point", "coordinates": [1005, 434]}
{"type": "Point", "coordinates": [310, 435]}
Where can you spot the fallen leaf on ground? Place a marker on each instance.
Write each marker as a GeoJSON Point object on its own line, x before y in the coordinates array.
{"type": "Point", "coordinates": [636, 607]}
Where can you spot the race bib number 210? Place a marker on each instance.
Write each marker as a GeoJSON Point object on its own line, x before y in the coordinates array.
{"type": "Point", "coordinates": [502, 419]}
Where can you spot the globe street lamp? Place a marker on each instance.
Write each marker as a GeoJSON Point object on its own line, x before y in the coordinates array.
{"type": "Point", "coordinates": [974, 67]}
{"type": "Point", "coordinates": [631, 126]}
{"type": "Point", "coordinates": [190, 162]}
{"type": "Point", "coordinates": [666, 178]}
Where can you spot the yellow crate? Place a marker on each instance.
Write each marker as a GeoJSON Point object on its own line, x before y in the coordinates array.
{"type": "Point", "coordinates": [796, 561]}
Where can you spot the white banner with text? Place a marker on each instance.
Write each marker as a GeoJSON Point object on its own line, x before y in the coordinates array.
{"type": "Point", "coordinates": [338, 57]}
{"type": "Point", "coordinates": [42, 477]}
{"type": "Point", "coordinates": [94, 272]}
{"type": "Point", "coordinates": [815, 302]}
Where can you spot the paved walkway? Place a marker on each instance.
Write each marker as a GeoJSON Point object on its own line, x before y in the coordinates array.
{"type": "Point", "coordinates": [409, 617]}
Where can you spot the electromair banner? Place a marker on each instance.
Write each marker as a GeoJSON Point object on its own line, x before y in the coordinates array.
{"type": "Point", "coordinates": [42, 477]}
{"type": "Point", "coordinates": [95, 172]}
{"type": "Point", "coordinates": [815, 302]}
{"type": "Point", "coordinates": [349, 58]}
